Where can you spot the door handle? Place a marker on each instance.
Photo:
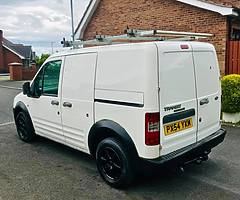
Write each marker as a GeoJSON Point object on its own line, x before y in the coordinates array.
{"type": "Point", "coordinates": [67, 104]}
{"type": "Point", "coordinates": [204, 101]}
{"type": "Point", "coordinates": [55, 103]}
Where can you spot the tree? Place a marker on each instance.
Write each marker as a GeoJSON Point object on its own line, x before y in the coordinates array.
{"type": "Point", "coordinates": [40, 60]}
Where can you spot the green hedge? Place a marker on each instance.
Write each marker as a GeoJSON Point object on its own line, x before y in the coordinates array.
{"type": "Point", "coordinates": [231, 93]}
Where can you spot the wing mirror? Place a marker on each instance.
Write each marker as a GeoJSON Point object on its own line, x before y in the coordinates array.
{"type": "Point", "coordinates": [26, 89]}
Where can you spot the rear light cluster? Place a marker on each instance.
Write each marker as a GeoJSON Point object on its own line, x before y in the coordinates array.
{"type": "Point", "coordinates": [152, 129]}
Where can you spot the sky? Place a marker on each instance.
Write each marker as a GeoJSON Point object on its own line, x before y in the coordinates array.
{"type": "Point", "coordinates": [40, 23]}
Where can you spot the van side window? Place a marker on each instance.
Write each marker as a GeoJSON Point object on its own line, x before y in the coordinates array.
{"type": "Point", "coordinates": [51, 78]}
{"type": "Point", "coordinates": [36, 87]}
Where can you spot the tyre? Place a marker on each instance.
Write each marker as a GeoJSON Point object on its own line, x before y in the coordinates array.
{"type": "Point", "coordinates": [24, 127]}
{"type": "Point", "coordinates": [114, 163]}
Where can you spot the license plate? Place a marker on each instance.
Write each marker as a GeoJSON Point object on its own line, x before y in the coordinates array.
{"type": "Point", "coordinates": [178, 126]}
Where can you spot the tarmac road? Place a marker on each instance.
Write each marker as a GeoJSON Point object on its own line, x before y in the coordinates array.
{"type": "Point", "coordinates": [6, 102]}
{"type": "Point", "coordinates": [47, 170]}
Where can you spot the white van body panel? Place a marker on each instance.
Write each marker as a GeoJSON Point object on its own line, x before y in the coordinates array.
{"type": "Point", "coordinates": [130, 68]}
{"type": "Point", "coordinates": [128, 74]}
{"type": "Point", "coordinates": [122, 83]}
{"type": "Point", "coordinates": [208, 84]}
{"type": "Point", "coordinates": [187, 77]}
{"type": "Point", "coordinates": [177, 87]}
{"type": "Point", "coordinates": [45, 118]}
{"type": "Point", "coordinates": [78, 81]}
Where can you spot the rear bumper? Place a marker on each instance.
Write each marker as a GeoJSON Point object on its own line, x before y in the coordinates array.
{"type": "Point", "coordinates": [191, 152]}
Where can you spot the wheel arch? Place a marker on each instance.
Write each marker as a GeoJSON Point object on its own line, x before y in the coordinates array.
{"type": "Point", "coordinates": [20, 106]}
{"type": "Point", "coordinates": [107, 128]}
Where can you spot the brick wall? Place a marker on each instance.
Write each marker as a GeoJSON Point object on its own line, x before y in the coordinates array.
{"type": "Point", "coordinates": [9, 57]}
{"type": "Point", "coordinates": [113, 16]}
{"type": "Point", "coordinates": [18, 73]}
{"type": "Point", "coordinates": [28, 74]}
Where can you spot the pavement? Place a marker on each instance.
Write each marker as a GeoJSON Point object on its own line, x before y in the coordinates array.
{"type": "Point", "coordinates": [5, 82]}
{"type": "Point", "coordinates": [45, 170]}
{"type": "Point", "coordinates": [4, 77]}
{"type": "Point", "coordinates": [6, 104]}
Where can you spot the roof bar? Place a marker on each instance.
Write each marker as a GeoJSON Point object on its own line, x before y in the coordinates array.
{"type": "Point", "coordinates": [135, 32]}
{"type": "Point", "coordinates": [175, 33]}
{"type": "Point", "coordinates": [141, 35]}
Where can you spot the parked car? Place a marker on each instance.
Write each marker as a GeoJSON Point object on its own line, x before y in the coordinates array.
{"type": "Point", "coordinates": [154, 102]}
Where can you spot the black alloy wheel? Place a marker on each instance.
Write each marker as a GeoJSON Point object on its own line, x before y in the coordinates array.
{"type": "Point", "coordinates": [24, 127]}
{"type": "Point", "coordinates": [114, 163]}
{"type": "Point", "coordinates": [111, 163]}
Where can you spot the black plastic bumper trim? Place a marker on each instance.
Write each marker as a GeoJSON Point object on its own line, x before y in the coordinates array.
{"type": "Point", "coordinates": [192, 151]}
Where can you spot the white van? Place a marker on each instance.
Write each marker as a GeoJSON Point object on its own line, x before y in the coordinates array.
{"type": "Point", "coordinates": [154, 102]}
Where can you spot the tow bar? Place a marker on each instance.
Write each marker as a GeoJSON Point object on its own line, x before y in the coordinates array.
{"type": "Point", "coordinates": [197, 160]}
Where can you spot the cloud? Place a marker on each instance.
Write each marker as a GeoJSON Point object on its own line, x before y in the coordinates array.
{"type": "Point", "coordinates": [39, 22]}
{"type": "Point", "coordinates": [10, 2]}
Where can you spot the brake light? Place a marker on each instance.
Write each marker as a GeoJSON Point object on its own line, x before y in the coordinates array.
{"type": "Point", "coordinates": [184, 46]}
{"type": "Point", "coordinates": [152, 129]}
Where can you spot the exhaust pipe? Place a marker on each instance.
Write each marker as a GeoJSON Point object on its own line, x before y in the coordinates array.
{"type": "Point", "coordinates": [179, 170]}
{"type": "Point", "coordinates": [202, 159]}
{"type": "Point", "coordinates": [199, 160]}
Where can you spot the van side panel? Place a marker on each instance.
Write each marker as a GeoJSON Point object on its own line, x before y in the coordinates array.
{"type": "Point", "coordinates": [78, 89]}
{"type": "Point", "coordinates": [126, 88]}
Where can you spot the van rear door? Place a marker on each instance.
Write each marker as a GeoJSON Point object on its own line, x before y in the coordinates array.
{"type": "Point", "coordinates": [177, 96]}
{"type": "Point", "coordinates": [208, 89]}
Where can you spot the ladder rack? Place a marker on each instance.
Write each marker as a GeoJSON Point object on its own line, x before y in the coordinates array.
{"type": "Point", "coordinates": [134, 35]}
{"type": "Point", "coordinates": [135, 32]}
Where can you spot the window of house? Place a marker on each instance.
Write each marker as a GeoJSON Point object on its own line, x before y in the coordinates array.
{"type": "Point", "coordinates": [235, 34]}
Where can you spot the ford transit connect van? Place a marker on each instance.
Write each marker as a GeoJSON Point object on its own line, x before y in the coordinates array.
{"type": "Point", "coordinates": [157, 102]}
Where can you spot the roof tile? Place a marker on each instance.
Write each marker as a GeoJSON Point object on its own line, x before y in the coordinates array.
{"type": "Point", "coordinates": [24, 51]}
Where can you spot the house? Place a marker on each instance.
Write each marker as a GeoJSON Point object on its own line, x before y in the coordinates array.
{"type": "Point", "coordinates": [219, 17]}
{"type": "Point", "coordinates": [14, 53]}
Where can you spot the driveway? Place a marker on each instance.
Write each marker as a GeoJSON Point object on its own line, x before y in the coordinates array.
{"type": "Point", "coordinates": [47, 170]}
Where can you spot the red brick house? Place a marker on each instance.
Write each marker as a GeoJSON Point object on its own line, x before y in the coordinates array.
{"type": "Point", "coordinates": [219, 17]}
{"type": "Point", "coordinates": [14, 53]}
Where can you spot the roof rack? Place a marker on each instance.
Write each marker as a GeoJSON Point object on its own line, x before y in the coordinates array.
{"type": "Point", "coordinates": [134, 35]}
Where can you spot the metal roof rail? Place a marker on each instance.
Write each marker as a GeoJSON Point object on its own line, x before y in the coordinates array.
{"type": "Point", "coordinates": [136, 32]}
{"type": "Point", "coordinates": [134, 35]}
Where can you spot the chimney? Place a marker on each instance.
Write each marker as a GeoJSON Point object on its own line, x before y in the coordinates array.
{"type": "Point", "coordinates": [1, 37]}
{"type": "Point", "coordinates": [1, 52]}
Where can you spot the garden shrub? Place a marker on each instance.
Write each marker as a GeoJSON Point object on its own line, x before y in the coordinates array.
{"type": "Point", "coordinates": [231, 93]}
